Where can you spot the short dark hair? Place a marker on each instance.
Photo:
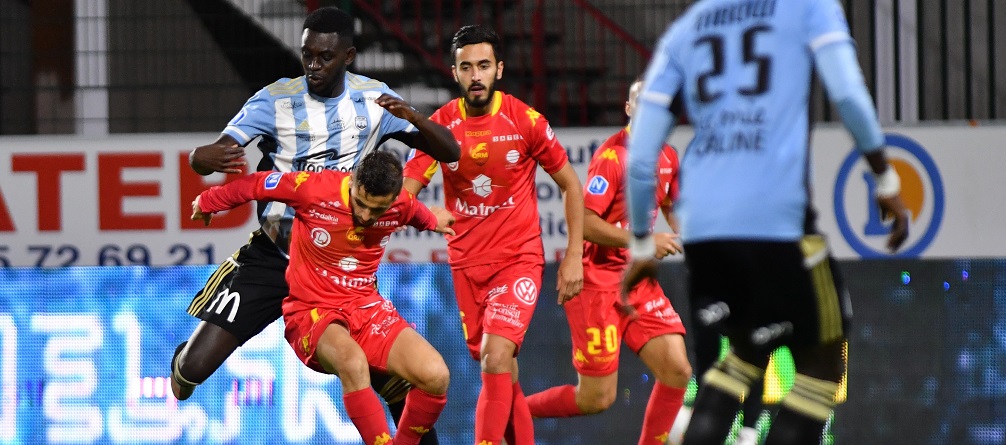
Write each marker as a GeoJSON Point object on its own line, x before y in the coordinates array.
{"type": "Point", "coordinates": [472, 34]}
{"type": "Point", "coordinates": [380, 174]}
{"type": "Point", "coordinates": [331, 19]}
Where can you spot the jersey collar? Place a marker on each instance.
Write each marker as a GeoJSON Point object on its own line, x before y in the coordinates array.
{"type": "Point", "coordinates": [345, 192]}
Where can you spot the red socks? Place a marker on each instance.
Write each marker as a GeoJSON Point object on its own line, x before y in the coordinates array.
{"type": "Point", "coordinates": [421, 412]}
{"type": "Point", "coordinates": [663, 407]}
{"type": "Point", "coordinates": [367, 413]}
{"type": "Point", "coordinates": [559, 401]}
{"type": "Point", "coordinates": [495, 399]}
{"type": "Point", "coordinates": [520, 428]}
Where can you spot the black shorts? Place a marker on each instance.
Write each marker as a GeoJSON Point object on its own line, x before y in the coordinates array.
{"type": "Point", "coordinates": [245, 294]}
{"type": "Point", "coordinates": [769, 294]}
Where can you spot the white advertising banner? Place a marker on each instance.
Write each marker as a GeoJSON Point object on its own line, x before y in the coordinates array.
{"type": "Point", "coordinates": [72, 201]}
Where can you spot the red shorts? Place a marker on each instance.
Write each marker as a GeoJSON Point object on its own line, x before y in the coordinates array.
{"type": "Point", "coordinates": [496, 299]}
{"type": "Point", "coordinates": [598, 326]}
{"type": "Point", "coordinates": [374, 328]}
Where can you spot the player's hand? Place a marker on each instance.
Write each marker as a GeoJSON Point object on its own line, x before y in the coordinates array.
{"type": "Point", "coordinates": [667, 244]}
{"type": "Point", "coordinates": [444, 220]}
{"type": "Point", "coordinates": [570, 278]}
{"type": "Point", "coordinates": [218, 157]}
{"type": "Point", "coordinates": [639, 270]}
{"type": "Point", "coordinates": [398, 107]}
{"type": "Point", "coordinates": [198, 214]}
{"type": "Point", "coordinates": [892, 207]}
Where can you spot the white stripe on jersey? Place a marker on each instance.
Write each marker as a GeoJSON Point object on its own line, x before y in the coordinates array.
{"type": "Point", "coordinates": [286, 137]}
{"type": "Point", "coordinates": [245, 139]}
{"type": "Point", "coordinates": [375, 112]}
{"type": "Point", "coordinates": [318, 142]}
{"type": "Point", "coordinates": [349, 135]}
{"type": "Point", "coordinates": [831, 37]}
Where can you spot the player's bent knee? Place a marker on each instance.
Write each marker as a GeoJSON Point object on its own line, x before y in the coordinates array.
{"type": "Point", "coordinates": [497, 361]}
{"type": "Point", "coordinates": [672, 372]}
{"type": "Point", "coordinates": [594, 402]}
{"type": "Point", "coordinates": [434, 378]}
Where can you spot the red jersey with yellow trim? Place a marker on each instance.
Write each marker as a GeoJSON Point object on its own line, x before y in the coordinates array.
{"type": "Point", "coordinates": [604, 194]}
{"type": "Point", "coordinates": [491, 190]}
{"type": "Point", "coordinates": [333, 262]}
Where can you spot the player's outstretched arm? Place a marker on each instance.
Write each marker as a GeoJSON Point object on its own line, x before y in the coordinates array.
{"type": "Point", "coordinates": [412, 186]}
{"type": "Point", "coordinates": [444, 220]}
{"type": "Point", "coordinates": [224, 155]}
{"type": "Point", "coordinates": [433, 139]}
{"type": "Point", "coordinates": [570, 279]}
{"type": "Point", "coordinates": [198, 214]}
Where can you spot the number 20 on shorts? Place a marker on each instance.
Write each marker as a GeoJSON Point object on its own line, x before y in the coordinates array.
{"type": "Point", "coordinates": [610, 339]}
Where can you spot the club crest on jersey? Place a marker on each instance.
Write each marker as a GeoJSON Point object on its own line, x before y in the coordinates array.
{"type": "Point", "coordinates": [480, 153]}
{"type": "Point", "coordinates": [354, 235]}
{"type": "Point", "coordinates": [453, 166]}
{"type": "Point", "coordinates": [272, 181]}
{"type": "Point", "coordinates": [320, 237]}
{"type": "Point", "coordinates": [597, 185]}
{"type": "Point", "coordinates": [361, 122]}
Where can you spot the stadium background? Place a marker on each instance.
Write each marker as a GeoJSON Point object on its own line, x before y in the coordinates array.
{"type": "Point", "coordinates": [84, 349]}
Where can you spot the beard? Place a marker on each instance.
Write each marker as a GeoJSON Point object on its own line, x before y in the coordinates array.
{"type": "Point", "coordinates": [490, 91]}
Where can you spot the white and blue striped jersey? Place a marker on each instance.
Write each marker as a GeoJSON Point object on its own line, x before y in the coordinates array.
{"type": "Point", "coordinates": [744, 68]}
{"type": "Point", "coordinates": [304, 132]}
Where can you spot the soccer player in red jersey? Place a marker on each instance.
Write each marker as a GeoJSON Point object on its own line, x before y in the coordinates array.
{"type": "Point", "coordinates": [597, 321]}
{"type": "Point", "coordinates": [336, 321]}
{"type": "Point", "coordinates": [496, 257]}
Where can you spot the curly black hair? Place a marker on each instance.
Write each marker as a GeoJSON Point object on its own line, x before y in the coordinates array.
{"type": "Point", "coordinates": [331, 19]}
{"type": "Point", "coordinates": [472, 34]}
{"type": "Point", "coordinates": [380, 174]}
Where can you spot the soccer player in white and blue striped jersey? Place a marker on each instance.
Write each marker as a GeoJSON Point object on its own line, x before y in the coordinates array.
{"type": "Point", "coordinates": [326, 119]}
{"type": "Point", "coordinates": [758, 272]}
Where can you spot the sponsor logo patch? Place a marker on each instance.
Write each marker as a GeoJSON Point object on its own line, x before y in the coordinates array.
{"type": "Point", "coordinates": [272, 180]}
{"type": "Point", "coordinates": [597, 185]}
{"type": "Point", "coordinates": [525, 290]}
{"type": "Point", "coordinates": [320, 237]}
{"type": "Point", "coordinates": [482, 185]}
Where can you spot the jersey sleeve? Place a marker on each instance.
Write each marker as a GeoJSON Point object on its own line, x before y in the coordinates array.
{"type": "Point", "coordinates": [420, 167]}
{"type": "Point", "coordinates": [289, 188]}
{"type": "Point", "coordinates": [826, 23]}
{"type": "Point", "coordinates": [545, 147]}
{"type": "Point", "coordinates": [257, 117]}
{"type": "Point", "coordinates": [604, 176]}
{"type": "Point", "coordinates": [664, 75]}
{"type": "Point", "coordinates": [420, 216]}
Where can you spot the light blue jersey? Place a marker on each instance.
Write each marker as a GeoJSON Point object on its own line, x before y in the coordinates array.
{"type": "Point", "coordinates": [304, 132]}
{"type": "Point", "coordinates": [744, 68]}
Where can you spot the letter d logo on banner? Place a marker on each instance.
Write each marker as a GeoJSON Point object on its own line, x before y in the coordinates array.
{"type": "Point", "coordinates": [858, 216]}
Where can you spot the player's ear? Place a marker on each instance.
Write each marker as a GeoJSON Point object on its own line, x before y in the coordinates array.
{"type": "Point", "coordinates": [350, 55]}
{"type": "Point", "coordinates": [454, 72]}
{"type": "Point", "coordinates": [499, 70]}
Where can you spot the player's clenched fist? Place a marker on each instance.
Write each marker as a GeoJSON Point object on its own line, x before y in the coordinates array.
{"type": "Point", "coordinates": [198, 214]}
